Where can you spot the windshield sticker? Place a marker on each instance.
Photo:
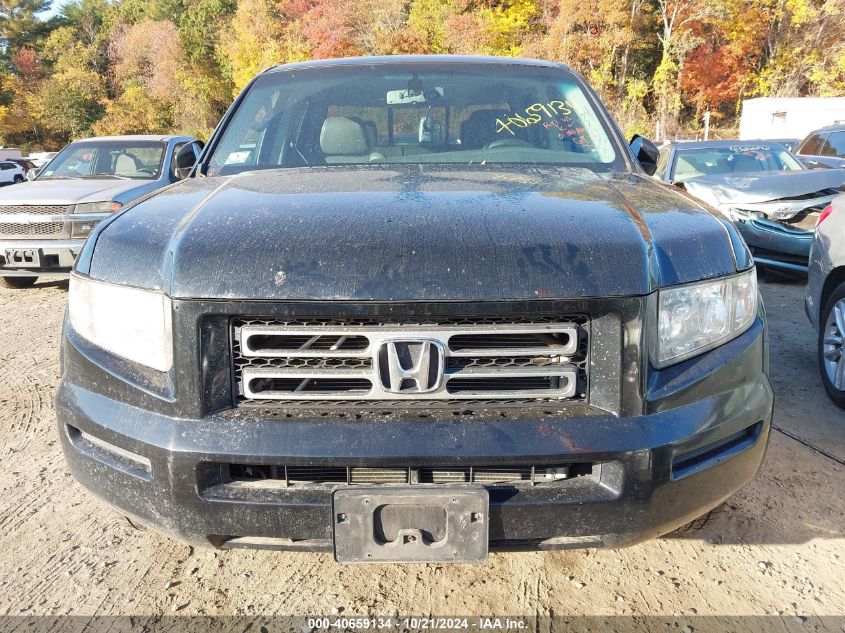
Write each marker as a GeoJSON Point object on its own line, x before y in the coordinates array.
{"type": "Point", "coordinates": [533, 115]}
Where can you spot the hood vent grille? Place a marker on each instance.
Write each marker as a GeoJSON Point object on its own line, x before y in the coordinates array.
{"type": "Point", "coordinates": [493, 475]}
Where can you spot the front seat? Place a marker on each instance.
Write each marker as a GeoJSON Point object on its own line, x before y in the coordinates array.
{"type": "Point", "coordinates": [344, 140]}
{"type": "Point", "coordinates": [125, 164]}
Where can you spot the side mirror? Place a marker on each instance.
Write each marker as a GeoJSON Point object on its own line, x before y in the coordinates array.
{"type": "Point", "coordinates": [646, 153]}
{"type": "Point", "coordinates": [185, 159]}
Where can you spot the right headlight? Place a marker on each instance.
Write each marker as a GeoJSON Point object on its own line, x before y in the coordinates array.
{"type": "Point", "coordinates": [695, 318]}
{"type": "Point", "coordinates": [133, 323]}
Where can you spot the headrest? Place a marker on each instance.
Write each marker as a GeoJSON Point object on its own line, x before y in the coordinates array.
{"type": "Point", "coordinates": [372, 132]}
{"type": "Point", "coordinates": [341, 136]}
{"type": "Point", "coordinates": [742, 163]}
{"type": "Point", "coordinates": [480, 128]}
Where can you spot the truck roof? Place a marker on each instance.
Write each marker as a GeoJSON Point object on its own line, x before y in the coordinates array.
{"type": "Point", "coordinates": [419, 59]}
{"type": "Point", "coordinates": [717, 144]}
{"type": "Point", "coordinates": [835, 127]}
{"type": "Point", "coordinates": [135, 137]}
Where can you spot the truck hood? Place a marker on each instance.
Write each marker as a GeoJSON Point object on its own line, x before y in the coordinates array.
{"type": "Point", "coordinates": [411, 232]}
{"type": "Point", "coordinates": [62, 192]}
{"type": "Point", "coordinates": [728, 189]}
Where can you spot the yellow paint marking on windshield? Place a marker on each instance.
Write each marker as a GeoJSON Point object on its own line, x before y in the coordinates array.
{"type": "Point", "coordinates": [533, 114]}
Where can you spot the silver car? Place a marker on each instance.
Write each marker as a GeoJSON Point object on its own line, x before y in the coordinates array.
{"type": "Point", "coordinates": [44, 222]}
{"type": "Point", "coordinates": [771, 197]}
{"type": "Point", "coordinates": [825, 299]}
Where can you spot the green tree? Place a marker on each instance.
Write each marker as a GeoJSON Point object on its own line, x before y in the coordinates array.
{"type": "Point", "coordinates": [70, 102]}
{"type": "Point", "coordinates": [135, 111]}
{"type": "Point", "coordinates": [204, 75]}
{"type": "Point", "coordinates": [253, 41]}
{"type": "Point", "coordinates": [19, 24]}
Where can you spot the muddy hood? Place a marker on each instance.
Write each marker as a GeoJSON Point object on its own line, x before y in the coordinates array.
{"type": "Point", "coordinates": [764, 186]}
{"type": "Point", "coordinates": [413, 233]}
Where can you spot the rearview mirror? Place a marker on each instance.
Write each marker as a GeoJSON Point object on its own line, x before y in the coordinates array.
{"type": "Point", "coordinates": [646, 153]}
{"type": "Point", "coordinates": [185, 159]}
{"type": "Point", "coordinates": [403, 97]}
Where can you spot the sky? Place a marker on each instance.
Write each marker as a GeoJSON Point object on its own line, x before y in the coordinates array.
{"type": "Point", "coordinates": [55, 6]}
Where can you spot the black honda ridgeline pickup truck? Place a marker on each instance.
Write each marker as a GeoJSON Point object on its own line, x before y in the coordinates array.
{"type": "Point", "coordinates": [412, 309]}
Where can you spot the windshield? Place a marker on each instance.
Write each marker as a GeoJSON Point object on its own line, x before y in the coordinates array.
{"type": "Point", "coordinates": [107, 159]}
{"type": "Point", "coordinates": [691, 163]}
{"type": "Point", "coordinates": [415, 113]}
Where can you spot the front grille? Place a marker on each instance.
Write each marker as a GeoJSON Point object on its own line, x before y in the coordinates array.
{"type": "Point", "coordinates": [30, 229]}
{"type": "Point", "coordinates": [495, 475]}
{"type": "Point", "coordinates": [34, 209]}
{"type": "Point", "coordinates": [369, 361]}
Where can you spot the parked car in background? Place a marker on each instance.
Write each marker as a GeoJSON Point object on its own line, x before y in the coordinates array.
{"type": "Point", "coordinates": [765, 190]}
{"type": "Point", "coordinates": [11, 172]}
{"type": "Point", "coordinates": [825, 298]}
{"type": "Point", "coordinates": [28, 167]}
{"type": "Point", "coordinates": [44, 222]}
{"type": "Point", "coordinates": [407, 308]}
{"type": "Point", "coordinates": [39, 159]}
{"type": "Point", "coordinates": [824, 147]}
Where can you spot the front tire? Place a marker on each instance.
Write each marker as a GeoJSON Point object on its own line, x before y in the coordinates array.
{"type": "Point", "coordinates": [832, 346]}
{"type": "Point", "coordinates": [18, 283]}
{"type": "Point", "coordinates": [19, 179]}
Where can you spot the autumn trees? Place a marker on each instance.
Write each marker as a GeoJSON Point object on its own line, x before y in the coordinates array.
{"type": "Point", "coordinates": [128, 66]}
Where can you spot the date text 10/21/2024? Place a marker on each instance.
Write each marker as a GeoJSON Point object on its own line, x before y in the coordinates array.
{"type": "Point", "coordinates": [418, 623]}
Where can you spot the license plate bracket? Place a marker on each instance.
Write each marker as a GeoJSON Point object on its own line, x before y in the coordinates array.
{"type": "Point", "coordinates": [419, 524]}
{"type": "Point", "coordinates": [23, 257]}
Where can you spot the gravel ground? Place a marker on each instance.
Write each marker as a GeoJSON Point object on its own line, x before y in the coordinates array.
{"type": "Point", "coordinates": [778, 551]}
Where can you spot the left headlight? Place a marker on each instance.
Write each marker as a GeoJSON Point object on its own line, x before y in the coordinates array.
{"type": "Point", "coordinates": [82, 228]}
{"type": "Point", "coordinates": [697, 317]}
{"type": "Point", "coordinates": [133, 323]}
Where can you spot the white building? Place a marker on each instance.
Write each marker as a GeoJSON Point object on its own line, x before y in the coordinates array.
{"type": "Point", "coordinates": [787, 117]}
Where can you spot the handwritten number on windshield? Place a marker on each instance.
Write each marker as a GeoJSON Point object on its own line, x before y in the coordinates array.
{"type": "Point", "coordinates": [533, 114]}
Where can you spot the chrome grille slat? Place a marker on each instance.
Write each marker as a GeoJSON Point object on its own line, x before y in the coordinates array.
{"type": "Point", "coordinates": [34, 209]}
{"type": "Point", "coordinates": [545, 360]}
{"type": "Point", "coordinates": [29, 229]}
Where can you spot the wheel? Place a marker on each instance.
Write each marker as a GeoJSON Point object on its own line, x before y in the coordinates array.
{"type": "Point", "coordinates": [18, 179]}
{"type": "Point", "coordinates": [832, 346]}
{"type": "Point", "coordinates": [701, 522]}
{"type": "Point", "coordinates": [16, 283]}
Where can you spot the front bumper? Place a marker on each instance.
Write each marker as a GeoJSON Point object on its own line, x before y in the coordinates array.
{"type": "Point", "coordinates": [776, 245]}
{"type": "Point", "coordinates": [55, 257]}
{"type": "Point", "coordinates": [702, 439]}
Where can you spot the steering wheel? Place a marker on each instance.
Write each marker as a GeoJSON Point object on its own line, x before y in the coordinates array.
{"type": "Point", "coordinates": [507, 142]}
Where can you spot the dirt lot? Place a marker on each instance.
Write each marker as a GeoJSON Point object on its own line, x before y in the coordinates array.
{"type": "Point", "coordinates": [779, 550]}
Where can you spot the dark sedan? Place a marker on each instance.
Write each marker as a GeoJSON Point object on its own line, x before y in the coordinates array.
{"type": "Point", "coordinates": [773, 199]}
{"type": "Point", "coordinates": [824, 148]}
